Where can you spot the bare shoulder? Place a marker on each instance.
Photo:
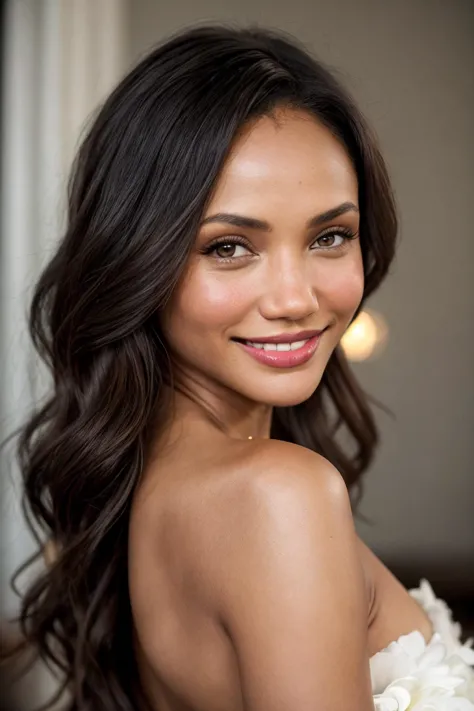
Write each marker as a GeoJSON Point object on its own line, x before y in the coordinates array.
{"type": "Point", "coordinates": [245, 491]}
{"type": "Point", "coordinates": [264, 538]}
{"type": "Point", "coordinates": [287, 582]}
{"type": "Point", "coordinates": [305, 468]}
{"type": "Point", "coordinates": [288, 458]}
{"type": "Point", "coordinates": [281, 476]}
{"type": "Point", "coordinates": [290, 495]}
{"type": "Point", "coordinates": [269, 484]}
{"type": "Point", "coordinates": [268, 468]}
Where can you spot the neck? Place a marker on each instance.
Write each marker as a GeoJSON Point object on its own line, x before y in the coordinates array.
{"type": "Point", "coordinates": [228, 411]}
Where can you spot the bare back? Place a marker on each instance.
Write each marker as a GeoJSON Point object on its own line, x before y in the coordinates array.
{"type": "Point", "coordinates": [186, 657]}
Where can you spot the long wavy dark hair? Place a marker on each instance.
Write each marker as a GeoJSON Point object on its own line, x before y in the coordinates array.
{"type": "Point", "coordinates": [140, 184]}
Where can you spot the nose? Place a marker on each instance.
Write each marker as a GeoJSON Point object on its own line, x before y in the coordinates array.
{"type": "Point", "coordinates": [288, 292]}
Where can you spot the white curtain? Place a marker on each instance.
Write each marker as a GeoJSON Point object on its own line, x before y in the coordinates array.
{"type": "Point", "coordinates": [61, 57]}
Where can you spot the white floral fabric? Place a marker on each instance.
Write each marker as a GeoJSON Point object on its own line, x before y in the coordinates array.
{"type": "Point", "coordinates": [412, 675]}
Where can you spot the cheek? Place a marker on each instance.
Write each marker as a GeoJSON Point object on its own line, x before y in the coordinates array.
{"type": "Point", "coordinates": [342, 289]}
{"type": "Point", "coordinates": [204, 302]}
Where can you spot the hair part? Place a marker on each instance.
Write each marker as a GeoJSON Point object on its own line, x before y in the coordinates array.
{"type": "Point", "coordinates": [140, 184]}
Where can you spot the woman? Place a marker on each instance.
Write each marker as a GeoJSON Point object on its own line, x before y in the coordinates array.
{"type": "Point", "coordinates": [229, 214]}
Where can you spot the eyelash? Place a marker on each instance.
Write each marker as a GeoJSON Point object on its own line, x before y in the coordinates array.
{"type": "Point", "coordinates": [346, 232]}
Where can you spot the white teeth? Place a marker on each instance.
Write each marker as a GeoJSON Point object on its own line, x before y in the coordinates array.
{"type": "Point", "coordinates": [278, 346]}
{"type": "Point", "coordinates": [254, 345]}
{"type": "Point", "coordinates": [298, 344]}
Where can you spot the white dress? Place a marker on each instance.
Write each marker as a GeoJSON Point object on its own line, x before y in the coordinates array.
{"type": "Point", "coordinates": [411, 675]}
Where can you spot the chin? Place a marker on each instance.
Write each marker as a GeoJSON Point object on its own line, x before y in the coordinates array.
{"type": "Point", "coordinates": [288, 392]}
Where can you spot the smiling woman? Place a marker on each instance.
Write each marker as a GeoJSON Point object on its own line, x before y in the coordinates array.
{"type": "Point", "coordinates": [277, 260]}
{"type": "Point", "coordinates": [229, 213]}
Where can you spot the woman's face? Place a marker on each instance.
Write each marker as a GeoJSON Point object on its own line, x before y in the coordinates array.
{"type": "Point", "coordinates": [268, 261]}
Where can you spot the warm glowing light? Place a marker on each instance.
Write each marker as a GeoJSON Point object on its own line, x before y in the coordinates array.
{"type": "Point", "coordinates": [365, 337]}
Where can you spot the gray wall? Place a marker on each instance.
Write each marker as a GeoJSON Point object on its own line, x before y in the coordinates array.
{"type": "Point", "coordinates": [410, 65]}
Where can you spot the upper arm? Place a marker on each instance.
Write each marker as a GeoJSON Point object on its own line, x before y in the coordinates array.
{"type": "Point", "coordinates": [291, 591]}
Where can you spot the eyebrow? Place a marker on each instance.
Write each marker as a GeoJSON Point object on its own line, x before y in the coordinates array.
{"type": "Point", "coordinates": [253, 224]}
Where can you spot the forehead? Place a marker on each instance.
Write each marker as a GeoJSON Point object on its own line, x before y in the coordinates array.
{"type": "Point", "coordinates": [290, 153]}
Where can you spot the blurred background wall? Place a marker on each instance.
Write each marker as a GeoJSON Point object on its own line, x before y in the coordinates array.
{"type": "Point", "coordinates": [409, 64]}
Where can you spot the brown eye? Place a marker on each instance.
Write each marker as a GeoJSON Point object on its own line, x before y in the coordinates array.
{"type": "Point", "coordinates": [224, 251]}
{"type": "Point", "coordinates": [331, 240]}
{"type": "Point", "coordinates": [327, 240]}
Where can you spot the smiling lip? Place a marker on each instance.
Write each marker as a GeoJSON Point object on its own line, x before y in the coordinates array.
{"type": "Point", "coordinates": [285, 359]}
